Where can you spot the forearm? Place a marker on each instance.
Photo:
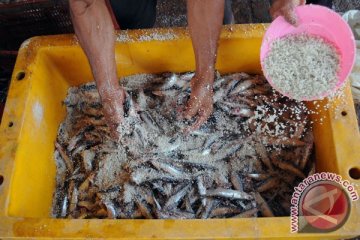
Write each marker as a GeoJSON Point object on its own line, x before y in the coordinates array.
{"type": "Point", "coordinates": [205, 19]}
{"type": "Point", "coordinates": [94, 29]}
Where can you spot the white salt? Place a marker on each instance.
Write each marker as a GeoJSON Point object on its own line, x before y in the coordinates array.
{"type": "Point", "coordinates": [302, 66]}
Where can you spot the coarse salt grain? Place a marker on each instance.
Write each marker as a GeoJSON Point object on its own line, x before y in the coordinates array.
{"type": "Point", "coordinates": [302, 66]}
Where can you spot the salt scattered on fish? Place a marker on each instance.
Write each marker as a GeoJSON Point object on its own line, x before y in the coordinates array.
{"type": "Point", "coordinates": [156, 171]}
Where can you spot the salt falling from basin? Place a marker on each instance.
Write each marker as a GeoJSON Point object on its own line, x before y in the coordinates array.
{"type": "Point", "coordinates": [302, 66]}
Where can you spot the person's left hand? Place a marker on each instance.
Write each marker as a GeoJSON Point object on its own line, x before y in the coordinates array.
{"type": "Point", "coordinates": [200, 104]}
{"type": "Point", "coordinates": [286, 9]}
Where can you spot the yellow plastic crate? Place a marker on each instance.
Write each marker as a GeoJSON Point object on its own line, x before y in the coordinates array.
{"type": "Point", "coordinates": [47, 66]}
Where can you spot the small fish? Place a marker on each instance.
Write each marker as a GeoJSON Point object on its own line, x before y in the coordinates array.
{"type": "Point", "coordinates": [247, 213]}
{"type": "Point", "coordinates": [288, 167]}
{"type": "Point", "coordinates": [231, 85]}
{"type": "Point", "coordinates": [201, 189]}
{"type": "Point", "coordinates": [132, 107]}
{"type": "Point", "coordinates": [88, 87]}
{"type": "Point", "coordinates": [244, 101]}
{"type": "Point", "coordinates": [242, 86]}
{"type": "Point", "coordinates": [77, 176]}
{"type": "Point", "coordinates": [222, 211]}
{"type": "Point", "coordinates": [182, 84]}
{"type": "Point", "coordinates": [147, 196]}
{"type": "Point", "coordinates": [219, 82]}
{"type": "Point", "coordinates": [228, 193]}
{"type": "Point", "coordinates": [139, 136]}
{"type": "Point", "coordinates": [186, 77]}
{"type": "Point", "coordinates": [261, 150]}
{"type": "Point", "coordinates": [234, 104]}
{"type": "Point", "coordinates": [86, 204]}
{"type": "Point", "coordinates": [145, 212]}
{"type": "Point", "coordinates": [258, 176]}
{"type": "Point", "coordinates": [69, 164]}
{"type": "Point", "coordinates": [242, 112]}
{"type": "Point", "coordinates": [92, 112]}
{"type": "Point", "coordinates": [157, 204]}
{"type": "Point", "coordinates": [283, 141]}
{"type": "Point", "coordinates": [170, 147]}
{"type": "Point", "coordinates": [164, 93]}
{"type": "Point", "coordinates": [208, 143]}
{"type": "Point", "coordinates": [193, 196]}
{"type": "Point", "coordinates": [146, 117]}
{"type": "Point", "coordinates": [270, 183]}
{"type": "Point", "coordinates": [86, 184]}
{"type": "Point", "coordinates": [286, 177]}
{"type": "Point", "coordinates": [236, 182]}
{"type": "Point", "coordinates": [111, 212]}
{"type": "Point", "coordinates": [174, 199]}
{"type": "Point", "coordinates": [162, 214]}
{"type": "Point", "coordinates": [187, 204]}
{"type": "Point", "coordinates": [263, 206]}
{"type": "Point", "coordinates": [144, 174]}
{"type": "Point", "coordinates": [305, 156]}
{"type": "Point", "coordinates": [204, 212]}
{"type": "Point", "coordinates": [155, 185]}
{"type": "Point", "coordinates": [168, 189]}
{"type": "Point", "coordinates": [299, 129]}
{"type": "Point", "coordinates": [142, 100]}
{"type": "Point", "coordinates": [253, 92]}
{"type": "Point", "coordinates": [170, 81]}
{"type": "Point", "coordinates": [87, 159]}
{"type": "Point", "coordinates": [92, 96]}
{"type": "Point", "coordinates": [83, 215]}
{"type": "Point", "coordinates": [240, 76]}
{"type": "Point", "coordinates": [64, 207]}
{"type": "Point", "coordinates": [73, 200]}
{"type": "Point", "coordinates": [198, 166]}
{"type": "Point", "coordinates": [101, 213]}
{"type": "Point", "coordinates": [199, 133]}
{"type": "Point", "coordinates": [169, 169]}
{"type": "Point", "coordinates": [219, 95]}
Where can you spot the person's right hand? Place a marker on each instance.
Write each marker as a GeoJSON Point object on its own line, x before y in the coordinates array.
{"type": "Point", "coordinates": [113, 107]}
{"type": "Point", "coordinates": [286, 9]}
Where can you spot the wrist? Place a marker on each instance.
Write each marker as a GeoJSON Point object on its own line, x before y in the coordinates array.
{"type": "Point", "coordinates": [205, 77]}
{"type": "Point", "coordinates": [113, 92]}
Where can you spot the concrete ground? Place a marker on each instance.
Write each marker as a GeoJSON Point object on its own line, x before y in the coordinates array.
{"type": "Point", "coordinates": [173, 12]}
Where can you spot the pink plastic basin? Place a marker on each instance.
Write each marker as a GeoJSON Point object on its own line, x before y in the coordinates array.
{"type": "Point", "coordinates": [319, 21]}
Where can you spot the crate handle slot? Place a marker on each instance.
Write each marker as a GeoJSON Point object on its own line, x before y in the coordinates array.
{"type": "Point", "coordinates": [354, 173]}
{"type": "Point", "coordinates": [20, 76]}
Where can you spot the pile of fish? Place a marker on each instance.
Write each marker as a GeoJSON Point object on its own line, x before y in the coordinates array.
{"type": "Point", "coordinates": [243, 162]}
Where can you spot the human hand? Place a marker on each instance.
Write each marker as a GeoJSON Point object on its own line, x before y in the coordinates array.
{"type": "Point", "coordinates": [286, 9]}
{"type": "Point", "coordinates": [113, 107]}
{"type": "Point", "coordinates": [200, 103]}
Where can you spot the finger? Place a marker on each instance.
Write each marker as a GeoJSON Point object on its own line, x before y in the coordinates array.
{"type": "Point", "coordinates": [274, 15]}
{"type": "Point", "coordinates": [290, 16]}
{"type": "Point", "coordinates": [274, 9]}
{"type": "Point", "coordinates": [114, 133]}
{"type": "Point", "coordinates": [192, 108]}
{"type": "Point", "coordinates": [202, 117]}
